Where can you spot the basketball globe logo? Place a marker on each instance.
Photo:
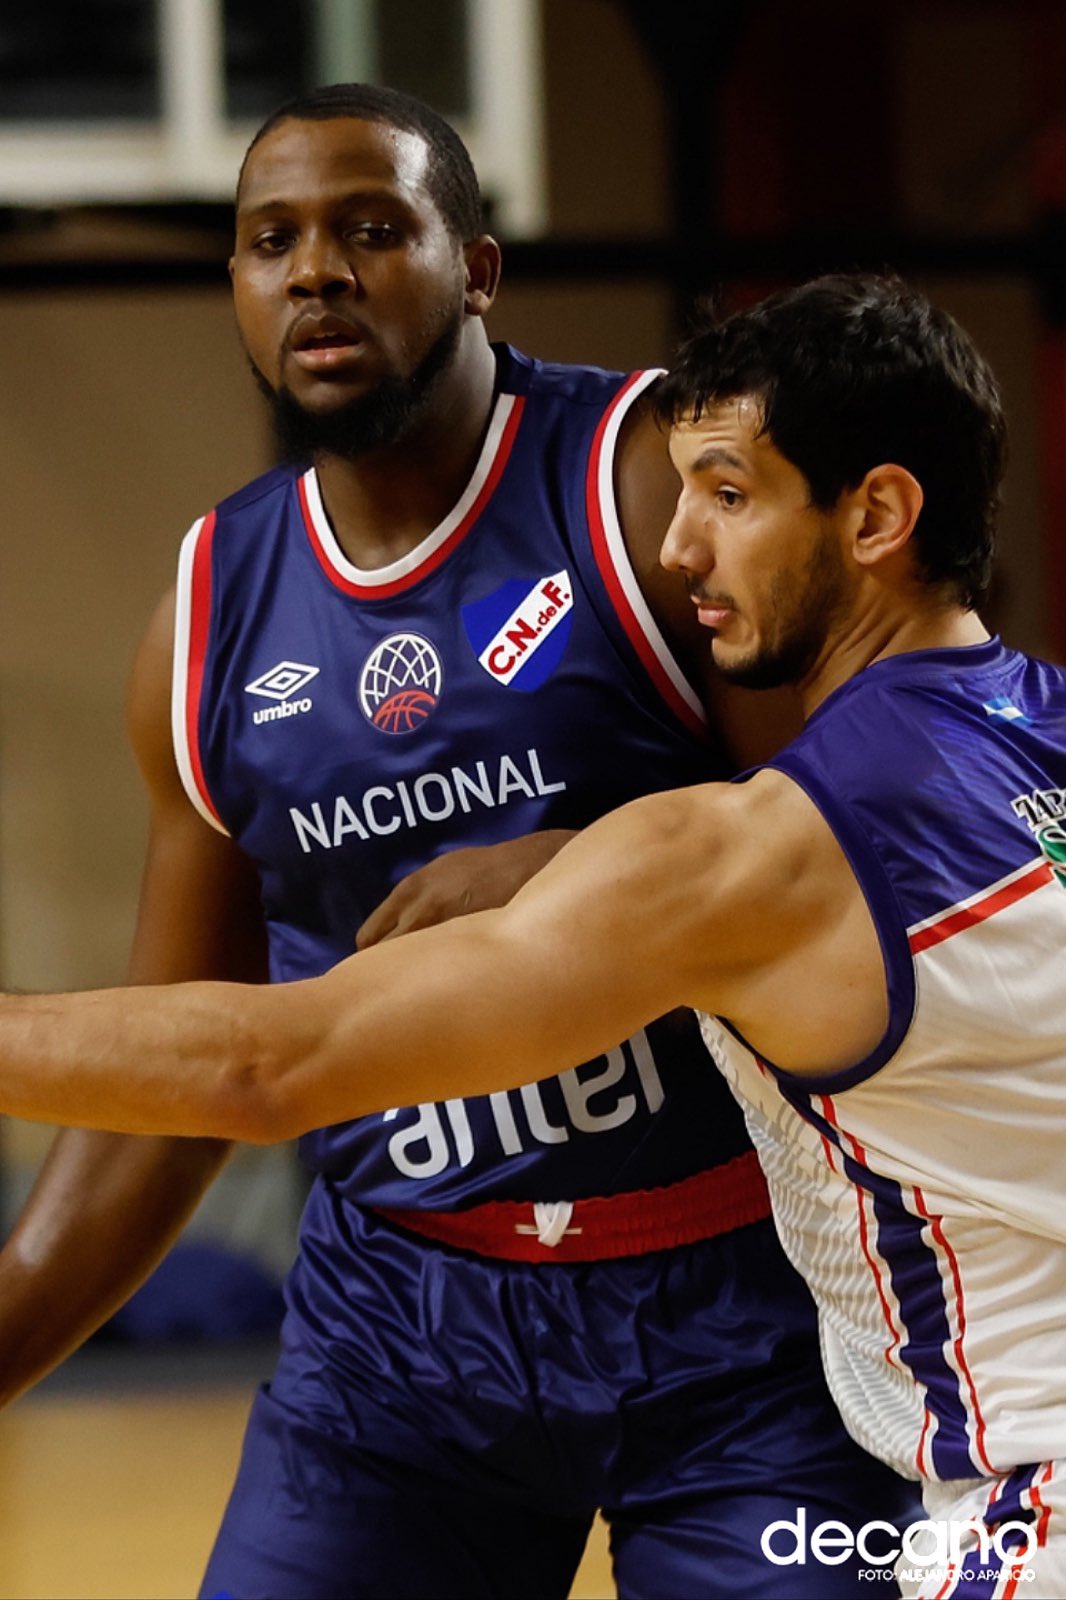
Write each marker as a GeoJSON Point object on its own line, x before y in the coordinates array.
{"type": "Point", "coordinates": [400, 683]}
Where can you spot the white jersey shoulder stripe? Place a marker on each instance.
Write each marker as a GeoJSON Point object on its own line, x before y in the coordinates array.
{"type": "Point", "coordinates": [612, 551]}
{"type": "Point", "coordinates": [189, 621]}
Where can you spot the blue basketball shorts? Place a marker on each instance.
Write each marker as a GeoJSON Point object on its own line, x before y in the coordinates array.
{"type": "Point", "coordinates": [443, 1425]}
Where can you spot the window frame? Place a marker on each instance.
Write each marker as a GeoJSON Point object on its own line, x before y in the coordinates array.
{"type": "Point", "coordinates": [192, 152]}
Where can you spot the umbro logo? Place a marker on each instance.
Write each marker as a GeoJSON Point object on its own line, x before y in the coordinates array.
{"type": "Point", "coordinates": [280, 684]}
{"type": "Point", "coordinates": [282, 681]}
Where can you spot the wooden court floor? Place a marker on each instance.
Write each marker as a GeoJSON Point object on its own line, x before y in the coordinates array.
{"type": "Point", "coordinates": [114, 1494]}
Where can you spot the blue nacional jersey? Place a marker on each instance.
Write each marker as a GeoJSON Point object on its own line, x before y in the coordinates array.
{"type": "Point", "coordinates": [346, 726]}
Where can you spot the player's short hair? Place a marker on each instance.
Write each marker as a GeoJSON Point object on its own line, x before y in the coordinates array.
{"type": "Point", "coordinates": [852, 371]}
{"type": "Point", "coordinates": [450, 176]}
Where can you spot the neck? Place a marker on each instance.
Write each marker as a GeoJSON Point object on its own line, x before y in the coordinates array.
{"type": "Point", "coordinates": [924, 626]}
{"type": "Point", "coordinates": [383, 504]}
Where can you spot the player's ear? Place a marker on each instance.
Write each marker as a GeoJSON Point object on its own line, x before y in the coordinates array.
{"type": "Point", "coordinates": [887, 503]}
{"type": "Point", "coordinates": [482, 274]}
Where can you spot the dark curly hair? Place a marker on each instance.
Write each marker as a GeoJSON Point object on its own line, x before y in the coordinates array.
{"type": "Point", "coordinates": [851, 371]}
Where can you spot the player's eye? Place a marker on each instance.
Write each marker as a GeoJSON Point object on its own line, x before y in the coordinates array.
{"type": "Point", "coordinates": [271, 241]}
{"type": "Point", "coordinates": [729, 497]}
{"type": "Point", "coordinates": [373, 233]}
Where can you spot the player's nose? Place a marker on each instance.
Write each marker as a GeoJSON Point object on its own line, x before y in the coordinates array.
{"type": "Point", "coordinates": [319, 266]}
{"type": "Point", "coordinates": [686, 547]}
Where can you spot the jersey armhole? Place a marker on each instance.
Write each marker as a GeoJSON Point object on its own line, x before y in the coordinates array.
{"type": "Point", "coordinates": [616, 570]}
{"type": "Point", "coordinates": [889, 924]}
{"type": "Point", "coordinates": [192, 621]}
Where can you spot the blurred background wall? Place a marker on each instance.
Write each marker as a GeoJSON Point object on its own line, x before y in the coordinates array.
{"type": "Point", "coordinates": [667, 149]}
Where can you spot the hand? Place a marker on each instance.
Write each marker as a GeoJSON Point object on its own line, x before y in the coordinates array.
{"type": "Point", "coordinates": [474, 879]}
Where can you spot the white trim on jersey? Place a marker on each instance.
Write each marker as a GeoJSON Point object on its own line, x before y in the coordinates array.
{"type": "Point", "coordinates": [619, 555]}
{"type": "Point", "coordinates": [378, 577]}
{"type": "Point", "coordinates": [180, 678]}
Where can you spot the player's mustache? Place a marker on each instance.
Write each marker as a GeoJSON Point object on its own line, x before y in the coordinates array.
{"type": "Point", "coordinates": [709, 597]}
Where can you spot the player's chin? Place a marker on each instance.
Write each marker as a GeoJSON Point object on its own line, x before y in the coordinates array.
{"type": "Point", "coordinates": [730, 658]}
{"type": "Point", "coordinates": [327, 397]}
{"type": "Point", "coordinates": [748, 669]}
{"type": "Point", "coordinates": [328, 386]}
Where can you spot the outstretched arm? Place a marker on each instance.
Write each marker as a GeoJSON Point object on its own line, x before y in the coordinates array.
{"type": "Point", "coordinates": [410, 1017]}
{"type": "Point", "coordinates": [736, 900]}
{"type": "Point", "coordinates": [105, 1206]}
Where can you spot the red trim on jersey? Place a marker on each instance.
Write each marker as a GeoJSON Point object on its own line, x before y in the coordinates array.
{"type": "Point", "coordinates": [619, 599]}
{"type": "Point", "coordinates": [895, 1338]}
{"type": "Point", "coordinates": [1044, 1509]}
{"type": "Point", "coordinates": [953, 922]}
{"type": "Point", "coordinates": [199, 628]}
{"type": "Point", "coordinates": [1016, 1570]}
{"type": "Point", "coordinates": [954, 1572]}
{"type": "Point", "coordinates": [829, 1149]}
{"type": "Point", "coordinates": [1040, 1527]}
{"type": "Point", "coordinates": [921, 1460]}
{"type": "Point", "coordinates": [382, 591]}
{"type": "Point", "coordinates": [937, 1227]}
{"type": "Point", "coordinates": [896, 1333]}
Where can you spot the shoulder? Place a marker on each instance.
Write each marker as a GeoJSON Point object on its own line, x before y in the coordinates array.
{"type": "Point", "coordinates": [587, 387]}
{"type": "Point", "coordinates": [267, 487]}
{"type": "Point", "coordinates": [755, 834]}
{"type": "Point", "coordinates": [884, 732]}
{"type": "Point", "coordinates": [237, 523]}
{"type": "Point", "coordinates": [730, 875]}
{"type": "Point", "coordinates": [735, 842]}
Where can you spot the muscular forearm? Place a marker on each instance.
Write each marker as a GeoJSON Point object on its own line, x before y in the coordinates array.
{"type": "Point", "coordinates": [486, 1002]}
{"type": "Point", "coordinates": [103, 1212]}
{"type": "Point", "coordinates": [174, 1059]}
{"type": "Point", "coordinates": [248, 1062]}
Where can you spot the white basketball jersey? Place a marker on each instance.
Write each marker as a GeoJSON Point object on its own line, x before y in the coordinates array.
{"type": "Point", "coordinates": [922, 1192]}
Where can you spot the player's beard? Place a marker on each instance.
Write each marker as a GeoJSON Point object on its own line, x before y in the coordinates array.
{"type": "Point", "coordinates": [385, 415]}
{"type": "Point", "coordinates": [804, 609]}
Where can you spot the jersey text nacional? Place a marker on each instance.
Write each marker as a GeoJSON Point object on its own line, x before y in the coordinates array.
{"type": "Point", "coordinates": [345, 726]}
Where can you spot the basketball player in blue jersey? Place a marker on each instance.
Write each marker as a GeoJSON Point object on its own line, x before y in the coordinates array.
{"type": "Point", "coordinates": [401, 674]}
